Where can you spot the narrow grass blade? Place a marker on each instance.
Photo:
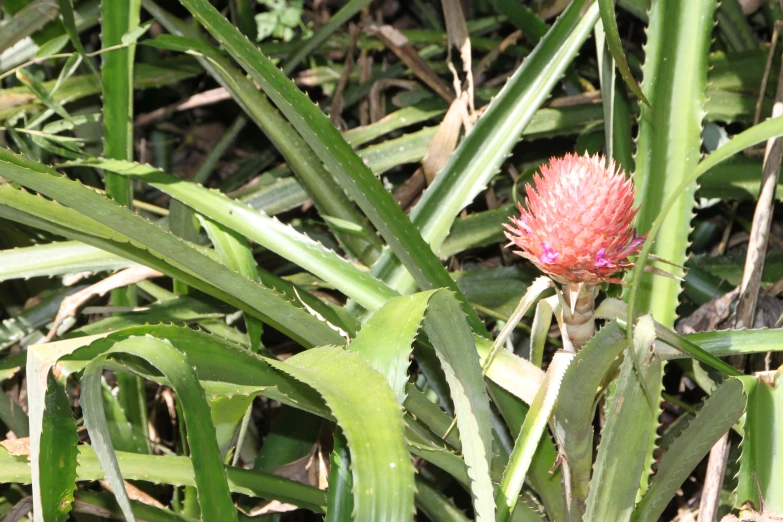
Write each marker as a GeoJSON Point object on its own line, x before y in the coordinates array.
{"type": "Point", "coordinates": [339, 18]}
{"type": "Point", "coordinates": [117, 18]}
{"type": "Point", "coordinates": [609, 19]}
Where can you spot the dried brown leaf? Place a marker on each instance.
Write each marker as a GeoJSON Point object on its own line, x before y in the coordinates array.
{"type": "Point", "coordinates": [398, 44]}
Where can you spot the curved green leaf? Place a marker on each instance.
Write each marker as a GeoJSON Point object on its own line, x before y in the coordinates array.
{"type": "Point", "coordinates": [91, 401]}
{"type": "Point", "coordinates": [381, 468]}
{"type": "Point", "coordinates": [211, 482]}
{"type": "Point", "coordinates": [386, 339]}
{"type": "Point", "coordinates": [608, 17]}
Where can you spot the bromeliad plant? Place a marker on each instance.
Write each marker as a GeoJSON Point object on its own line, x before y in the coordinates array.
{"type": "Point", "coordinates": [578, 229]}
{"type": "Point", "coordinates": [289, 386]}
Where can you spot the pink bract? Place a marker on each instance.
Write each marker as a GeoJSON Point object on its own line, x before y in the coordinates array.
{"type": "Point", "coordinates": [578, 226]}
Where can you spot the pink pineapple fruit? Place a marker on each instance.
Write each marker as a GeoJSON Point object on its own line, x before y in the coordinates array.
{"type": "Point", "coordinates": [578, 229]}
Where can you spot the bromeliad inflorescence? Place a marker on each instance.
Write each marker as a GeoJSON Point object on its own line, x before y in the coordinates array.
{"type": "Point", "coordinates": [578, 229]}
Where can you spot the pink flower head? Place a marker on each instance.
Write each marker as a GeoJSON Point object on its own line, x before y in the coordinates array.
{"type": "Point", "coordinates": [578, 224]}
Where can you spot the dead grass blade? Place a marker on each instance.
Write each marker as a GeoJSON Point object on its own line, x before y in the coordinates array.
{"type": "Point", "coordinates": [399, 44]}
{"type": "Point", "coordinates": [457, 30]}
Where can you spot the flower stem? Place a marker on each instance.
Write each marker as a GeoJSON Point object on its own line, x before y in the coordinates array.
{"type": "Point", "coordinates": [578, 315]}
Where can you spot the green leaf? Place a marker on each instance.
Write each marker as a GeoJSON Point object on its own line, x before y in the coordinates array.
{"type": "Point", "coordinates": [573, 419]}
{"type": "Point", "coordinates": [450, 335]}
{"type": "Point", "coordinates": [213, 492]}
{"type": "Point", "coordinates": [266, 231]}
{"type": "Point", "coordinates": [117, 18]}
{"type": "Point", "coordinates": [182, 260]}
{"type": "Point", "coordinates": [14, 416]}
{"type": "Point", "coordinates": [435, 505]}
{"type": "Point", "coordinates": [608, 17]}
{"type": "Point", "coordinates": [37, 88]}
{"type": "Point", "coordinates": [339, 18]}
{"type": "Point", "coordinates": [176, 471]}
{"type": "Point", "coordinates": [385, 343]}
{"type": "Point", "coordinates": [734, 27]}
{"type": "Point", "coordinates": [235, 253]}
{"type": "Point", "coordinates": [58, 441]}
{"type": "Point", "coordinates": [669, 140]}
{"type": "Point", "coordinates": [227, 415]}
{"type": "Point", "coordinates": [179, 310]}
{"type": "Point", "coordinates": [527, 442]}
{"type": "Point", "coordinates": [58, 258]}
{"type": "Point", "coordinates": [756, 134]}
{"type": "Point", "coordinates": [133, 35]}
{"type": "Point", "coordinates": [339, 499]}
{"type": "Point", "coordinates": [146, 75]}
{"type": "Point", "coordinates": [386, 340]}
{"type": "Point", "coordinates": [476, 230]}
{"type": "Point", "coordinates": [329, 145]}
{"type": "Point", "coordinates": [69, 23]}
{"type": "Point", "coordinates": [718, 414]}
{"type": "Point", "coordinates": [533, 27]}
{"type": "Point", "coordinates": [143, 511]}
{"type": "Point", "coordinates": [760, 463]}
{"type": "Point", "coordinates": [53, 46]}
{"type": "Point", "coordinates": [381, 468]}
{"type": "Point", "coordinates": [292, 436]}
{"type": "Point", "coordinates": [631, 422]}
{"type": "Point", "coordinates": [91, 401]}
